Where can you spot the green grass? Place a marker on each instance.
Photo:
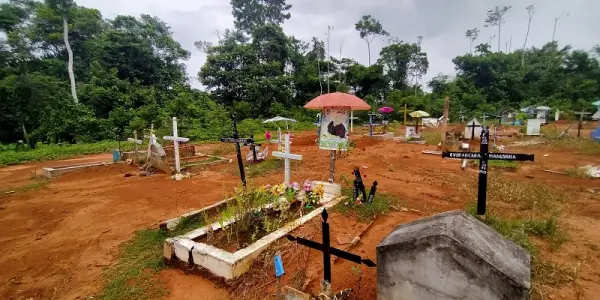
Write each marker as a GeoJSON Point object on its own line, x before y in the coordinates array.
{"type": "Point", "coordinates": [431, 137]}
{"type": "Point", "coordinates": [40, 183]}
{"type": "Point", "coordinates": [265, 167]}
{"type": "Point", "coordinates": [50, 152]}
{"type": "Point", "coordinates": [133, 276]}
{"type": "Point", "coordinates": [381, 205]}
{"type": "Point", "coordinates": [502, 164]}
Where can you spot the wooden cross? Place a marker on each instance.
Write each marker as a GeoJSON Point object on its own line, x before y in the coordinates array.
{"type": "Point", "coordinates": [237, 141]}
{"type": "Point", "coordinates": [359, 188]}
{"type": "Point", "coordinates": [287, 156]}
{"type": "Point", "coordinates": [404, 111]}
{"type": "Point", "coordinates": [472, 126]}
{"type": "Point", "coordinates": [580, 124]}
{"type": "Point", "coordinates": [327, 250]}
{"type": "Point", "coordinates": [176, 140]}
{"type": "Point", "coordinates": [135, 142]}
{"type": "Point", "coordinates": [483, 157]}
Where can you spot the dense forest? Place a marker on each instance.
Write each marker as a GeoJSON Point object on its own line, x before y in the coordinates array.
{"type": "Point", "coordinates": [69, 75]}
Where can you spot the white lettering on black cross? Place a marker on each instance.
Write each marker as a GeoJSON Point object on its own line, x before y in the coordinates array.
{"type": "Point", "coordinates": [176, 139]}
{"type": "Point", "coordinates": [287, 156]}
{"type": "Point", "coordinates": [483, 155]}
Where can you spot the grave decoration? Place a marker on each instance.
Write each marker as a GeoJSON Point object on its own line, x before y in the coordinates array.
{"type": "Point", "coordinates": [419, 114]}
{"type": "Point", "coordinates": [359, 193]}
{"type": "Point", "coordinates": [246, 225]}
{"type": "Point", "coordinates": [287, 156]}
{"type": "Point", "coordinates": [135, 142]}
{"type": "Point", "coordinates": [237, 141]}
{"type": "Point", "coordinates": [333, 134]}
{"type": "Point", "coordinates": [328, 251]}
{"type": "Point", "coordinates": [176, 140]}
{"type": "Point", "coordinates": [484, 155]}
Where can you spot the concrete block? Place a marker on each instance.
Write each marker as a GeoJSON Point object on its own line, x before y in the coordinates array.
{"type": "Point", "coordinates": [52, 172]}
{"type": "Point", "coordinates": [451, 256]}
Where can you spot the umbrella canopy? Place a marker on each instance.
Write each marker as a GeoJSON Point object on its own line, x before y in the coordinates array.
{"type": "Point", "coordinates": [419, 114]}
{"type": "Point", "coordinates": [385, 110]}
{"type": "Point", "coordinates": [277, 119]}
{"type": "Point", "coordinates": [543, 108]}
{"type": "Point", "coordinates": [337, 99]}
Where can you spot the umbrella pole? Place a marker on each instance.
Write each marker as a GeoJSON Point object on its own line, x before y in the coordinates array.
{"type": "Point", "coordinates": [351, 121]}
{"type": "Point", "coordinates": [331, 166]}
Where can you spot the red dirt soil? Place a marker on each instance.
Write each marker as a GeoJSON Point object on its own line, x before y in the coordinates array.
{"type": "Point", "coordinates": [56, 240]}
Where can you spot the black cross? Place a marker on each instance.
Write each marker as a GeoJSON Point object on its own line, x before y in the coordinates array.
{"type": "Point", "coordinates": [473, 125]}
{"type": "Point", "coordinates": [483, 155]}
{"type": "Point", "coordinates": [327, 250]}
{"type": "Point", "coordinates": [237, 141]}
{"type": "Point", "coordinates": [359, 187]}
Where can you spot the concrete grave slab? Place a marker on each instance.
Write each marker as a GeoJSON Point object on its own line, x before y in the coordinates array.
{"type": "Point", "coordinates": [52, 172]}
{"type": "Point", "coordinates": [451, 256]}
{"type": "Point", "coordinates": [223, 263]}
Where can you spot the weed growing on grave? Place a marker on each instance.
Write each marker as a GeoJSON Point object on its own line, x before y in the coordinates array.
{"type": "Point", "coordinates": [223, 149]}
{"type": "Point", "coordinates": [431, 137]}
{"type": "Point", "coordinates": [578, 172]}
{"type": "Point", "coordinates": [38, 184]}
{"type": "Point", "coordinates": [381, 205]}
{"type": "Point", "coordinates": [265, 167]}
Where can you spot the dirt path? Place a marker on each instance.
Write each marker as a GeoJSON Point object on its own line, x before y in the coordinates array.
{"type": "Point", "coordinates": [56, 240]}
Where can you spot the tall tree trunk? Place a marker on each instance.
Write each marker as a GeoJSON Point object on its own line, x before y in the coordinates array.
{"type": "Point", "coordinates": [525, 44]}
{"type": "Point", "coordinates": [70, 52]}
{"type": "Point", "coordinates": [25, 134]}
{"type": "Point", "coordinates": [499, 35]}
{"type": "Point", "coordinates": [369, 49]}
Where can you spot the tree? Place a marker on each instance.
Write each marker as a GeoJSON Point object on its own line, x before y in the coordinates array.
{"type": "Point", "coordinates": [396, 59]}
{"type": "Point", "coordinates": [418, 63]}
{"type": "Point", "coordinates": [250, 14]}
{"type": "Point", "coordinates": [472, 35]}
{"type": "Point", "coordinates": [495, 18]}
{"type": "Point", "coordinates": [369, 28]}
{"type": "Point", "coordinates": [62, 8]}
{"type": "Point", "coordinates": [530, 12]}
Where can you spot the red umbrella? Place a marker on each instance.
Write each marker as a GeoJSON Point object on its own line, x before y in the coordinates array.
{"type": "Point", "coordinates": [385, 110]}
{"type": "Point", "coordinates": [337, 99]}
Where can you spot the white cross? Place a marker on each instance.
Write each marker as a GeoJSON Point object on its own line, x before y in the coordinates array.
{"type": "Point", "coordinates": [135, 142]}
{"type": "Point", "coordinates": [287, 156]}
{"type": "Point", "coordinates": [176, 139]}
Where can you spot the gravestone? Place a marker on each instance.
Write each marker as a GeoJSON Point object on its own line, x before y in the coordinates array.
{"type": "Point", "coordinates": [533, 126]}
{"type": "Point", "coordinates": [287, 156]}
{"type": "Point", "coordinates": [451, 256]}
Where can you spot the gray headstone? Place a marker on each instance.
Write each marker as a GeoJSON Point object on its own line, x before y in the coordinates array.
{"type": "Point", "coordinates": [450, 256]}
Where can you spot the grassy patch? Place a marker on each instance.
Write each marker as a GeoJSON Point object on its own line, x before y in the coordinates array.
{"type": "Point", "coordinates": [223, 149]}
{"type": "Point", "coordinates": [578, 172]}
{"type": "Point", "coordinates": [132, 277]}
{"type": "Point", "coordinates": [572, 144]}
{"type": "Point", "coordinates": [265, 167]}
{"type": "Point", "coordinates": [381, 205]}
{"type": "Point", "coordinates": [38, 184]}
{"type": "Point", "coordinates": [50, 152]}
{"type": "Point", "coordinates": [431, 137]}
{"type": "Point", "coordinates": [501, 164]}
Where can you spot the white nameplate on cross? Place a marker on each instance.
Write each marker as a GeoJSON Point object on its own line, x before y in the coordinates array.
{"type": "Point", "coordinates": [287, 156]}
{"type": "Point", "coordinates": [176, 139]}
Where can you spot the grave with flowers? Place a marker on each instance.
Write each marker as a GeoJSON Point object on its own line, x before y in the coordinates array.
{"type": "Point", "coordinates": [238, 229]}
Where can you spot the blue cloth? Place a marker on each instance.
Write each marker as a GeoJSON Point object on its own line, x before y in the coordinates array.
{"type": "Point", "coordinates": [278, 266]}
{"type": "Point", "coordinates": [595, 135]}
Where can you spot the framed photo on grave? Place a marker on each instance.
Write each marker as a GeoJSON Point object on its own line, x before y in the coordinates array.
{"type": "Point", "coordinates": [334, 128]}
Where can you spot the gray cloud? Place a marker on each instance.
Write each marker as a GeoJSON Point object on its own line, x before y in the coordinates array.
{"type": "Point", "coordinates": [442, 23]}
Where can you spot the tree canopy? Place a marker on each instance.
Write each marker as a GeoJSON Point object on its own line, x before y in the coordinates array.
{"type": "Point", "coordinates": [130, 72]}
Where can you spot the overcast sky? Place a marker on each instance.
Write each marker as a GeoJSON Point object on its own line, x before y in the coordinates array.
{"type": "Point", "coordinates": [442, 23]}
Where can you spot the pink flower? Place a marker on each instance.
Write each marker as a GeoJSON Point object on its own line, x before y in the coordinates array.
{"type": "Point", "coordinates": [296, 186]}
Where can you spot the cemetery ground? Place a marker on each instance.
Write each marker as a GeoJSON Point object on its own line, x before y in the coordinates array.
{"type": "Point", "coordinates": [94, 233]}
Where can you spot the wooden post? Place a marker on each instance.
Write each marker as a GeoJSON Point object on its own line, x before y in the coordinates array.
{"type": "Point", "coordinates": [445, 121]}
{"type": "Point", "coordinates": [332, 166]}
{"type": "Point", "coordinates": [404, 115]}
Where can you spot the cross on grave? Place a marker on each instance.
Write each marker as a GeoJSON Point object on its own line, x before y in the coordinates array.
{"type": "Point", "coordinates": [405, 110]}
{"type": "Point", "coordinates": [287, 156]}
{"type": "Point", "coordinates": [359, 187]}
{"type": "Point", "coordinates": [473, 126]}
{"type": "Point", "coordinates": [580, 123]}
{"type": "Point", "coordinates": [176, 139]}
{"type": "Point", "coordinates": [327, 250]}
{"type": "Point", "coordinates": [484, 155]}
{"type": "Point", "coordinates": [237, 141]}
{"type": "Point", "coordinates": [135, 142]}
